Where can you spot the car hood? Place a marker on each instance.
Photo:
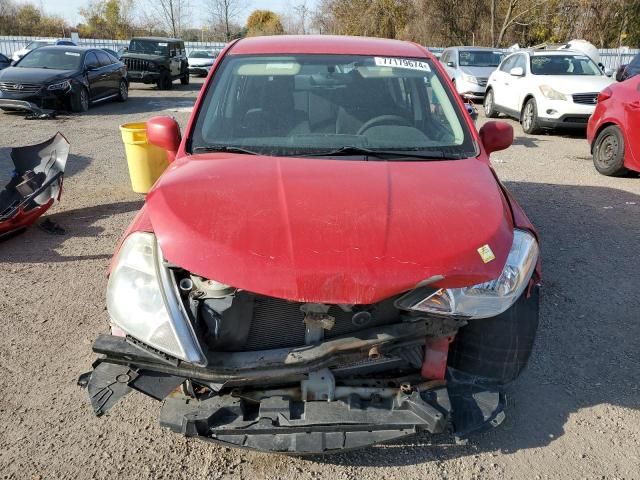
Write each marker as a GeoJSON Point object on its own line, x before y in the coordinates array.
{"type": "Point", "coordinates": [144, 56]}
{"type": "Point", "coordinates": [479, 72]}
{"type": "Point", "coordinates": [33, 75]}
{"type": "Point", "coordinates": [570, 84]}
{"type": "Point", "coordinates": [199, 62]}
{"type": "Point", "coordinates": [330, 231]}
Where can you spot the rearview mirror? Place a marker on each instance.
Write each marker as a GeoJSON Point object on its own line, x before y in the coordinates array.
{"type": "Point", "coordinates": [164, 132]}
{"type": "Point", "coordinates": [517, 72]}
{"type": "Point", "coordinates": [496, 136]}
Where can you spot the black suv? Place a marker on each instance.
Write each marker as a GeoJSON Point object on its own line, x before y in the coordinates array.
{"type": "Point", "coordinates": [157, 60]}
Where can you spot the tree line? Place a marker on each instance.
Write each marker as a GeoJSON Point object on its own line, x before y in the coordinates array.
{"type": "Point", "coordinates": [497, 23]}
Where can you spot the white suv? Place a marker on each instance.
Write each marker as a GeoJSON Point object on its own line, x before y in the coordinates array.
{"type": "Point", "coordinates": [545, 89]}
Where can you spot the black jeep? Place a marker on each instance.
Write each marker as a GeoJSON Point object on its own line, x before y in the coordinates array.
{"type": "Point", "coordinates": [157, 60]}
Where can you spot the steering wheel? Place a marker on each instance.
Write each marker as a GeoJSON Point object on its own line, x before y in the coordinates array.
{"type": "Point", "coordinates": [383, 120]}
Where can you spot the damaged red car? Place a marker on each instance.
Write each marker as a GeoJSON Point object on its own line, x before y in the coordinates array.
{"type": "Point", "coordinates": [328, 262]}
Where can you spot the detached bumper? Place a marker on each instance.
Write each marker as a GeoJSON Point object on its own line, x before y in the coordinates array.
{"type": "Point", "coordinates": [21, 105]}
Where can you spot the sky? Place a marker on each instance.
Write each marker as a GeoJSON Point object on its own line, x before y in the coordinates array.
{"type": "Point", "coordinates": [68, 9]}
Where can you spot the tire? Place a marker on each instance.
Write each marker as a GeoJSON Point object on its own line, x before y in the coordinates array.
{"type": "Point", "coordinates": [489, 105]}
{"type": "Point", "coordinates": [608, 152]}
{"type": "Point", "coordinates": [184, 80]}
{"type": "Point", "coordinates": [165, 82]}
{"type": "Point", "coordinates": [80, 101]}
{"type": "Point", "coordinates": [497, 349]}
{"type": "Point", "coordinates": [529, 117]}
{"type": "Point", "coordinates": [123, 91]}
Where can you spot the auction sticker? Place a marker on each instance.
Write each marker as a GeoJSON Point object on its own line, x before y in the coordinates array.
{"type": "Point", "coordinates": [402, 63]}
{"type": "Point", "coordinates": [486, 254]}
{"type": "Point", "coordinates": [72, 54]}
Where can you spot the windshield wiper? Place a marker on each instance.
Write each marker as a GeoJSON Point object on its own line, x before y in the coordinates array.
{"type": "Point", "coordinates": [224, 148]}
{"type": "Point", "coordinates": [353, 150]}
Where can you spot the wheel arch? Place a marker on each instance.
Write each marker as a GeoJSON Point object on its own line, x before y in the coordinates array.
{"type": "Point", "coordinates": [604, 125]}
{"type": "Point", "coordinates": [527, 97]}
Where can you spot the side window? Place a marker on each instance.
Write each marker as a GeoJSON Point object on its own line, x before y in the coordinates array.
{"type": "Point", "coordinates": [445, 57]}
{"type": "Point", "coordinates": [172, 51]}
{"type": "Point", "coordinates": [104, 58]}
{"type": "Point", "coordinates": [182, 50]}
{"type": "Point", "coordinates": [91, 61]}
{"type": "Point", "coordinates": [521, 61]}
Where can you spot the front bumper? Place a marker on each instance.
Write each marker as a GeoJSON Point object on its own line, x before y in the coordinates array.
{"type": "Point", "coordinates": [199, 70]}
{"type": "Point", "coordinates": [143, 77]}
{"type": "Point", "coordinates": [563, 114]}
{"type": "Point", "coordinates": [38, 102]}
{"type": "Point", "coordinates": [470, 90]}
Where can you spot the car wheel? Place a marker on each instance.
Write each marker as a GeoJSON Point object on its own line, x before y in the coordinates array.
{"type": "Point", "coordinates": [80, 101]}
{"type": "Point", "coordinates": [123, 91]}
{"type": "Point", "coordinates": [608, 152]}
{"type": "Point", "coordinates": [185, 79]}
{"type": "Point", "coordinates": [489, 105]}
{"type": "Point", "coordinates": [165, 82]}
{"type": "Point", "coordinates": [529, 118]}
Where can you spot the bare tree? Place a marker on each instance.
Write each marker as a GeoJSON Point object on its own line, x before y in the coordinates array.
{"type": "Point", "coordinates": [173, 14]}
{"type": "Point", "coordinates": [225, 13]}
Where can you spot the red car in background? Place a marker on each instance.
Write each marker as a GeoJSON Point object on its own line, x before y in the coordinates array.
{"type": "Point", "coordinates": [614, 129]}
{"type": "Point", "coordinates": [328, 262]}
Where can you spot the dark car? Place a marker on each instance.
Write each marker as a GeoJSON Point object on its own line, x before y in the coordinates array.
{"type": "Point", "coordinates": [157, 60]}
{"type": "Point", "coordinates": [113, 53]}
{"type": "Point", "coordinates": [4, 62]}
{"type": "Point", "coordinates": [63, 78]}
{"type": "Point", "coordinates": [625, 72]}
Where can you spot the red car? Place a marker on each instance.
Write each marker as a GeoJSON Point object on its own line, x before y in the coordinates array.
{"type": "Point", "coordinates": [613, 129]}
{"type": "Point", "coordinates": [329, 261]}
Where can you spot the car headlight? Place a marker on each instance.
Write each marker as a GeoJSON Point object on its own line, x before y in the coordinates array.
{"type": "Point", "coordinates": [66, 85]}
{"type": "Point", "coordinates": [469, 78]}
{"type": "Point", "coordinates": [485, 299]}
{"type": "Point", "coordinates": [142, 300]}
{"type": "Point", "coordinates": [551, 93]}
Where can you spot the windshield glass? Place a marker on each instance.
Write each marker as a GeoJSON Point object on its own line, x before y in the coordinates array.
{"type": "Point", "coordinates": [304, 104]}
{"type": "Point", "coordinates": [54, 58]}
{"type": "Point", "coordinates": [480, 58]}
{"type": "Point", "coordinates": [563, 65]}
{"type": "Point", "coordinates": [202, 54]}
{"type": "Point", "coordinates": [148, 47]}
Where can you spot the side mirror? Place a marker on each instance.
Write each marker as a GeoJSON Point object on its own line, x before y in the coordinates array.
{"type": "Point", "coordinates": [451, 64]}
{"type": "Point", "coordinates": [517, 72]}
{"type": "Point", "coordinates": [164, 132]}
{"type": "Point", "coordinates": [13, 62]}
{"type": "Point", "coordinates": [496, 136]}
{"type": "Point", "coordinates": [609, 72]}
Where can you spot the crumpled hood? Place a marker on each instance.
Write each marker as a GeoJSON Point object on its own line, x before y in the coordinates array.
{"type": "Point", "coordinates": [33, 75]}
{"type": "Point", "coordinates": [330, 231]}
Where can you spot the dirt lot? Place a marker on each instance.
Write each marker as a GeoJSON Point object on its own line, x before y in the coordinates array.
{"type": "Point", "coordinates": [573, 414]}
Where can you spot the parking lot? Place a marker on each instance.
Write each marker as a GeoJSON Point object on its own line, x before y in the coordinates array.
{"type": "Point", "coordinates": [575, 412]}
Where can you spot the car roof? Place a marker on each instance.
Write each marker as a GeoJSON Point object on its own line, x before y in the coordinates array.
{"type": "Point", "coordinates": [69, 48]}
{"type": "Point", "coordinates": [327, 44]}
{"type": "Point", "coordinates": [158, 39]}
{"type": "Point", "coordinates": [467, 47]}
{"type": "Point", "coordinates": [536, 53]}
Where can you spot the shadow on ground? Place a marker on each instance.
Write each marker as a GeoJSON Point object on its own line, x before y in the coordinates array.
{"type": "Point", "coordinates": [38, 246]}
{"type": "Point", "coordinates": [75, 164]}
{"type": "Point", "coordinates": [586, 352]}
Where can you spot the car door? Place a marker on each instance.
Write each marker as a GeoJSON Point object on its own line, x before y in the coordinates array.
{"type": "Point", "coordinates": [515, 85]}
{"type": "Point", "coordinates": [500, 79]}
{"type": "Point", "coordinates": [632, 117]}
{"type": "Point", "coordinates": [93, 72]}
{"type": "Point", "coordinates": [110, 76]}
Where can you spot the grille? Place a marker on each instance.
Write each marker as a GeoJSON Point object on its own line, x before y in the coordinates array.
{"type": "Point", "coordinates": [585, 98]}
{"type": "Point", "coordinates": [278, 323]}
{"type": "Point", "coordinates": [18, 87]}
{"type": "Point", "coordinates": [138, 65]}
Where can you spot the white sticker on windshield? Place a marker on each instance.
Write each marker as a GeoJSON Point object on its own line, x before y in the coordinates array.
{"type": "Point", "coordinates": [72, 54]}
{"type": "Point", "coordinates": [282, 66]}
{"type": "Point", "coordinates": [163, 44]}
{"type": "Point", "coordinates": [402, 63]}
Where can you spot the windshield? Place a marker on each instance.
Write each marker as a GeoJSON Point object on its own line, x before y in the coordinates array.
{"type": "Point", "coordinates": [308, 104]}
{"type": "Point", "coordinates": [563, 65]}
{"type": "Point", "coordinates": [54, 58]}
{"type": "Point", "coordinates": [480, 58]}
{"type": "Point", "coordinates": [202, 54]}
{"type": "Point", "coordinates": [149, 47]}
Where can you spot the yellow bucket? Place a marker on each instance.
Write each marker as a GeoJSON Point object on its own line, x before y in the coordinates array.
{"type": "Point", "coordinates": [146, 162]}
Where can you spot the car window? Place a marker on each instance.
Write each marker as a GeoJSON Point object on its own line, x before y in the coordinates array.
{"type": "Point", "coordinates": [3, 58]}
{"type": "Point", "coordinates": [564, 65]}
{"type": "Point", "coordinates": [104, 59]}
{"type": "Point", "coordinates": [300, 104]}
{"type": "Point", "coordinates": [66, 42]}
{"type": "Point", "coordinates": [148, 47]}
{"type": "Point", "coordinates": [444, 58]}
{"type": "Point", "coordinates": [508, 63]}
{"type": "Point", "coordinates": [521, 61]}
{"type": "Point", "coordinates": [480, 58]}
{"type": "Point", "coordinates": [91, 61]}
{"type": "Point", "coordinates": [53, 58]}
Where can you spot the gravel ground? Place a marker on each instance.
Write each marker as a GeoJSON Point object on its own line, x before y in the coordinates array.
{"type": "Point", "coordinates": [574, 413]}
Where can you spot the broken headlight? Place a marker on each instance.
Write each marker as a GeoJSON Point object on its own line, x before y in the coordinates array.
{"type": "Point", "coordinates": [142, 300]}
{"type": "Point", "coordinates": [485, 299]}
